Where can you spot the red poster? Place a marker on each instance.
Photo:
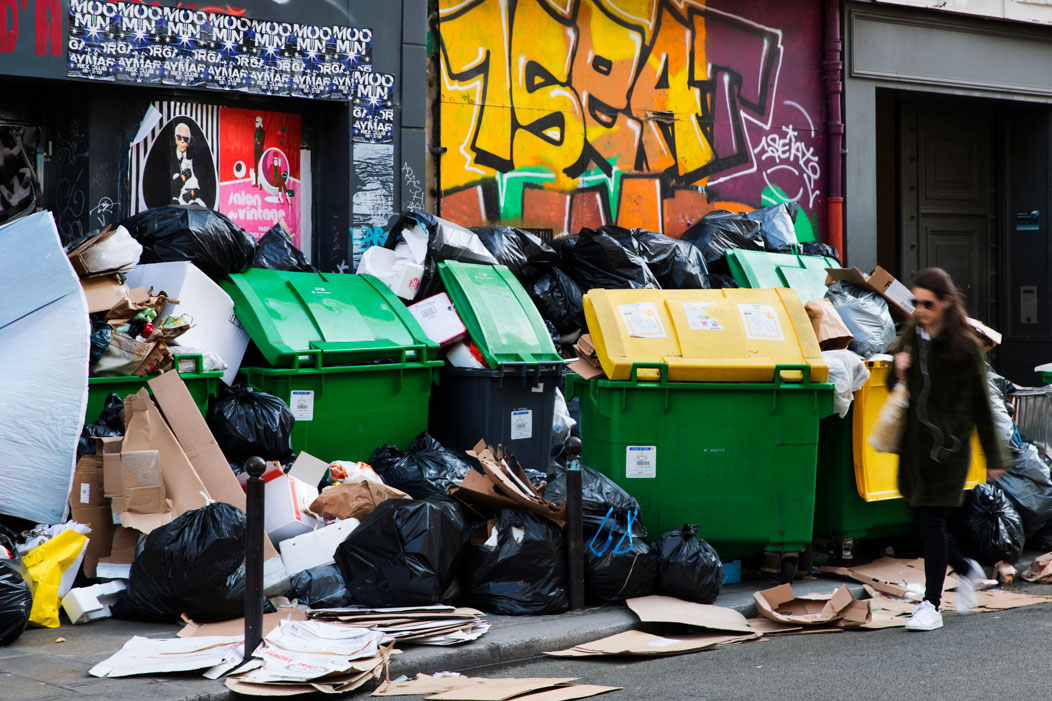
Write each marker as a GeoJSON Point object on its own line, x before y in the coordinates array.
{"type": "Point", "coordinates": [259, 169]}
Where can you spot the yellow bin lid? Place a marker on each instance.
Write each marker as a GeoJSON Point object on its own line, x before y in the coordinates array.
{"type": "Point", "coordinates": [733, 335]}
{"type": "Point", "coordinates": [877, 474]}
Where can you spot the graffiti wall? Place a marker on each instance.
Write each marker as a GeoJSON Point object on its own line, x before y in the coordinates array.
{"type": "Point", "coordinates": [561, 114]}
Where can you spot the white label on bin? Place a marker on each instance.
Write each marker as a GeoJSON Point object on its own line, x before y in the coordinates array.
{"type": "Point", "coordinates": [302, 405]}
{"type": "Point", "coordinates": [642, 320]}
{"type": "Point", "coordinates": [761, 322]}
{"type": "Point", "coordinates": [85, 493]}
{"type": "Point", "coordinates": [641, 461]}
{"type": "Point", "coordinates": [698, 316]}
{"type": "Point", "coordinates": [521, 424]}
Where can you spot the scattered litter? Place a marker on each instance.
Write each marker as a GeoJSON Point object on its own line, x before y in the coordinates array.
{"type": "Point", "coordinates": [666, 609]}
{"type": "Point", "coordinates": [60, 640]}
{"type": "Point", "coordinates": [420, 625]}
{"type": "Point", "coordinates": [503, 485]}
{"type": "Point", "coordinates": [782, 605]}
{"type": "Point", "coordinates": [147, 656]}
{"type": "Point", "coordinates": [638, 643]}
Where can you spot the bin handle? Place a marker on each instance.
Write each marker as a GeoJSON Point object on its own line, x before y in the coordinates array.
{"type": "Point", "coordinates": [662, 369]}
{"type": "Point", "coordinates": [310, 354]}
{"type": "Point", "coordinates": [804, 368]}
{"type": "Point", "coordinates": [197, 358]}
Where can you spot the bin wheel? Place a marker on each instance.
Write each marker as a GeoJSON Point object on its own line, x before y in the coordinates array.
{"type": "Point", "coordinates": [807, 559]}
{"type": "Point", "coordinates": [787, 568]}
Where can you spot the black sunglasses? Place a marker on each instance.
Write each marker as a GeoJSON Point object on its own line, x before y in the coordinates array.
{"type": "Point", "coordinates": [924, 303]}
{"type": "Point", "coordinates": [180, 137]}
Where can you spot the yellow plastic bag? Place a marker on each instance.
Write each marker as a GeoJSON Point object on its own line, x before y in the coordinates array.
{"type": "Point", "coordinates": [47, 563]}
{"type": "Point", "coordinates": [886, 434]}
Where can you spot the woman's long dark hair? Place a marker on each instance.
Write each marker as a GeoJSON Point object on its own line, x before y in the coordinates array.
{"type": "Point", "coordinates": [958, 333]}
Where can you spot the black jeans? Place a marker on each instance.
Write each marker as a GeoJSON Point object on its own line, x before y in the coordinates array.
{"type": "Point", "coordinates": [940, 549]}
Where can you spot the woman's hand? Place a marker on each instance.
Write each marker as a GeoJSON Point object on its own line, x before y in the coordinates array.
{"type": "Point", "coordinates": [902, 364]}
{"type": "Point", "coordinates": [994, 475]}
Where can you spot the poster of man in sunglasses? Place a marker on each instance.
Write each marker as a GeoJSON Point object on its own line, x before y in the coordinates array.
{"type": "Point", "coordinates": [179, 167]}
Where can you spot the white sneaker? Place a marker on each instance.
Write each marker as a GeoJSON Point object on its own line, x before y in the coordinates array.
{"type": "Point", "coordinates": [925, 617]}
{"type": "Point", "coordinates": [966, 598]}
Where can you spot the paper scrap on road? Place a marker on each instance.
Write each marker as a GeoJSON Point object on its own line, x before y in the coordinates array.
{"type": "Point", "coordinates": [568, 693]}
{"type": "Point", "coordinates": [667, 609]}
{"type": "Point", "coordinates": [420, 625]}
{"type": "Point", "coordinates": [237, 625]}
{"type": "Point", "coordinates": [638, 643]}
{"type": "Point", "coordinates": [500, 689]}
{"type": "Point", "coordinates": [147, 656]}
{"type": "Point", "coordinates": [425, 684]}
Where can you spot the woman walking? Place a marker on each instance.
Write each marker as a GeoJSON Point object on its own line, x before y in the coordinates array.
{"type": "Point", "coordinates": [939, 358]}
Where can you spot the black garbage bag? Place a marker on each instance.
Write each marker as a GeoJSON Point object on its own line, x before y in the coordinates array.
{"type": "Point", "coordinates": [276, 251]}
{"type": "Point", "coordinates": [866, 315]}
{"type": "Point", "coordinates": [601, 499]}
{"type": "Point", "coordinates": [596, 258]}
{"type": "Point", "coordinates": [246, 422]}
{"type": "Point", "coordinates": [427, 468]}
{"type": "Point", "coordinates": [558, 299]}
{"type": "Point", "coordinates": [618, 563]}
{"type": "Point", "coordinates": [320, 587]}
{"type": "Point", "coordinates": [446, 241]}
{"type": "Point", "coordinates": [990, 527]}
{"type": "Point", "coordinates": [523, 252]}
{"type": "Point", "coordinates": [193, 565]}
{"type": "Point", "coordinates": [108, 425]}
{"type": "Point", "coordinates": [202, 236]}
{"type": "Point", "coordinates": [676, 264]}
{"type": "Point", "coordinates": [721, 281]}
{"type": "Point", "coordinates": [777, 225]}
{"type": "Point", "coordinates": [817, 248]}
{"type": "Point", "coordinates": [16, 590]}
{"type": "Point", "coordinates": [1028, 484]}
{"type": "Point", "coordinates": [720, 231]}
{"type": "Point", "coordinates": [521, 567]}
{"type": "Point", "coordinates": [689, 568]}
{"type": "Point", "coordinates": [406, 553]}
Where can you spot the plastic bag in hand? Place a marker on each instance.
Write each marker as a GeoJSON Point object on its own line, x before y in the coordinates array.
{"type": "Point", "coordinates": [202, 236]}
{"type": "Point", "coordinates": [520, 569]}
{"type": "Point", "coordinates": [246, 422]}
{"type": "Point", "coordinates": [406, 553]}
{"type": "Point", "coordinates": [689, 568]}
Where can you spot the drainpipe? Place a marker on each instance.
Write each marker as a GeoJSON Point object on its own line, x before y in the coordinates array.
{"type": "Point", "coordinates": [832, 67]}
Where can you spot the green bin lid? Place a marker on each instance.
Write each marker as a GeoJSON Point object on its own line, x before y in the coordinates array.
{"type": "Point", "coordinates": [325, 319]}
{"type": "Point", "coordinates": [502, 319]}
{"type": "Point", "coordinates": [805, 275]}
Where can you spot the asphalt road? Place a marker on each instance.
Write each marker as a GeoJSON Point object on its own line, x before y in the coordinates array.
{"type": "Point", "coordinates": [977, 656]}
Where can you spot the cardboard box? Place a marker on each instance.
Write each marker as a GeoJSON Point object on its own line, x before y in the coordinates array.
{"type": "Point", "coordinates": [132, 482]}
{"type": "Point", "coordinates": [897, 295]}
{"type": "Point", "coordinates": [316, 548]}
{"type": "Point", "coordinates": [103, 293]}
{"type": "Point", "coordinates": [990, 338]}
{"type": "Point", "coordinates": [587, 363]}
{"type": "Point", "coordinates": [216, 327]}
{"type": "Point", "coordinates": [439, 319]}
{"type": "Point", "coordinates": [287, 502]}
{"type": "Point", "coordinates": [782, 605]}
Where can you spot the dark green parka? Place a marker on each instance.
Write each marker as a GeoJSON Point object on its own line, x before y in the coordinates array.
{"type": "Point", "coordinates": [944, 409]}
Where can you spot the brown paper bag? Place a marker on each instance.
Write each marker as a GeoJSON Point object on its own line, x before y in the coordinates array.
{"type": "Point", "coordinates": [832, 332]}
{"type": "Point", "coordinates": [353, 499]}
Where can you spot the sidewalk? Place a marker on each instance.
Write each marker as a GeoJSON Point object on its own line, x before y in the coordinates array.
{"type": "Point", "coordinates": [38, 667]}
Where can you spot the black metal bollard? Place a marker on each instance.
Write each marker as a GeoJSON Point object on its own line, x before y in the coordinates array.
{"type": "Point", "coordinates": [574, 526]}
{"type": "Point", "coordinates": [254, 536]}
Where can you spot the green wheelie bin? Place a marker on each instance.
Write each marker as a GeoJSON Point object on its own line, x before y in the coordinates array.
{"type": "Point", "coordinates": [709, 412]}
{"type": "Point", "coordinates": [346, 355]}
{"type": "Point", "coordinates": [202, 385]}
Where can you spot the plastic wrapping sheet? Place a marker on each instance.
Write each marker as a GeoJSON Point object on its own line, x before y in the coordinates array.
{"type": "Point", "coordinates": [44, 348]}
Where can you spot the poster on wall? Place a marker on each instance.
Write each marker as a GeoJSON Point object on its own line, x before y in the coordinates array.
{"type": "Point", "coordinates": [243, 163]}
{"type": "Point", "coordinates": [196, 48]}
{"type": "Point", "coordinates": [176, 162]}
{"type": "Point", "coordinates": [259, 169]}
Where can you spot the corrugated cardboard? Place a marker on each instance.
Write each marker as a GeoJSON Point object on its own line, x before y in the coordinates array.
{"type": "Point", "coordinates": [988, 336]}
{"type": "Point", "coordinates": [587, 363]}
{"type": "Point", "coordinates": [782, 605]}
{"type": "Point", "coordinates": [832, 332]}
{"type": "Point", "coordinates": [237, 626]}
{"type": "Point", "coordinates": [504, 486]}
{"type": "Point", "coordinates": [80, 264]}
{"type": "Point", "coordinates": [638, 643]}
{"type": "Point", "coordinates": [122, 551]}
{"type": "Point", "coordinates": [667, 609]}
{"type": "Point", "coordinates": [500, 689]}
{"type": "Point", "coordinates": [897, 295]}
{"type": "Point", "coordinates": [103, 293]}
{"type": "Point", "coordinates": [132, 481]}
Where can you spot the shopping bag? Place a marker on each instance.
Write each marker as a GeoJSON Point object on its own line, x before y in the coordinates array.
{"type": "Point", "coordinates": [53, 567]}
{"type": "Point", "coordinates": [886, 434]}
